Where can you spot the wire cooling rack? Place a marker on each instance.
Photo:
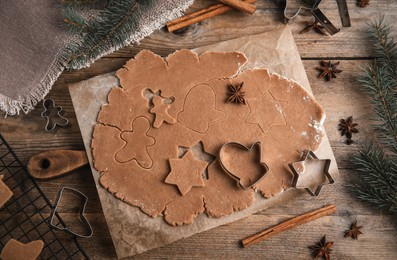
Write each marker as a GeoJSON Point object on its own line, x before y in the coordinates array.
{"type": "Point", "coordinates": [25, 216]}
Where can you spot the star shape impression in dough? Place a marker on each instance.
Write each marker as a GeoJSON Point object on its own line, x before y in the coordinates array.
{"type": "Point", "coordinates": [186, 172]}
{"type": "Point", "coordinates": [272, 108]}
{"type": "Point", "coordinates": [298, 168]}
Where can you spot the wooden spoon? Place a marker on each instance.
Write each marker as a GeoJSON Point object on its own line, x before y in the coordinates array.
{"type": "Point", "coordinates": [55, 163]}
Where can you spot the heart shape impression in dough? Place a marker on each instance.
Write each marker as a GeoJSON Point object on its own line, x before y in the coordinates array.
{"type": "Point", "coordinates": [243, 163]}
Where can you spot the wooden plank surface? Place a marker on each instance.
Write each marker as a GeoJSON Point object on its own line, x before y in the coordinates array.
{"type": "Point", "coordinates": [341, 98]}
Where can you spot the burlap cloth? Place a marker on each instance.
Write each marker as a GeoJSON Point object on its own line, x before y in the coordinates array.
{"type": "Point", "coordinates": [31, 39]}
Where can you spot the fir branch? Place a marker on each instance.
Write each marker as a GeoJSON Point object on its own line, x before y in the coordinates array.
{"type": "Point", "coordinates": [384, 46]}
{"type": "Point", "coordinates": [73, 20]}
{"type": "Point", "coordinates": [378, 84]}
{"type": "Point", "coordinates": [80, 2]}
{"type": "Point", "coordinates": [115, 24]}
{"type": "Point", "coordinates": [378, 177]}
{"type": "Point", "coordinates": [378, 172]}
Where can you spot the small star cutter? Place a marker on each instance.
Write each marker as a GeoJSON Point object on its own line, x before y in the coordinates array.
{"type": "Point", "coordinates": [47, 104]}
{"type": "Point", "coordinates": [234, 176]}
{"type": "Point", "coordinates": [305, 155]}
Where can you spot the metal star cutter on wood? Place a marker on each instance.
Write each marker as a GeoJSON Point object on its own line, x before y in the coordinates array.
{"type": "Point", "coordinates": [296, 170]}
{"type": "Point", "coordinates": [53, 114]}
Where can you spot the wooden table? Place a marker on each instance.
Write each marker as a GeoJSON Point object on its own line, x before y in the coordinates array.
{"type": "Point", "coordinates": [341, 98]}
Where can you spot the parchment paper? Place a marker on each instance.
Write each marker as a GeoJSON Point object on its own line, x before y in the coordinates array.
{"type": "Point", "coordinates": [134, 232]}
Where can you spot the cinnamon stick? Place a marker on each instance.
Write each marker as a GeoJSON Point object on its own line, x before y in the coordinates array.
{"type": "Point", "coordinates": [200, 15]}
{"type": "Point", "coordinates": [289, 224]}
{"type": "Point", "coordinates": [194, 14]}
{"type": "Point", "coordinates": [240, 5]}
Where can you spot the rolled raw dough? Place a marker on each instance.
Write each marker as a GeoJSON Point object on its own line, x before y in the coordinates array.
{"type": "Point", "coordinates": [278, 112]}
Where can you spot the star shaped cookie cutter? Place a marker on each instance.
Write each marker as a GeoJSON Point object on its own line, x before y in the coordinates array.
{"type": "Point", "coordinates": [50, 104]}
{"type": "Point", "coordinates": [233, 175]}
{"type": "Point", "coordinates": [82, 217]}
{"type": "Point", "coordinates": [313, 7]}
{"type": "Point", "coordinates": [306, 155]}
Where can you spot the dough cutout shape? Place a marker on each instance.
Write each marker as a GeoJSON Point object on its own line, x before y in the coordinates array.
{"type": "Point", "coordinates": [5, 192]}
{"type": "Point", "coordinates": [186, 172]}
{"type": "Point", "coordinates": [147, 170]}
{"type": "Point", "coordinates": [133, 150]}
{"type": "Point", "coordinates": [203, 97]}
{"type": "Point", "coordinates": [200, 154]}
{"type": "Point", "coordinates": [160, 109]}
{"type": "Point", "coordinates": [14, 250]}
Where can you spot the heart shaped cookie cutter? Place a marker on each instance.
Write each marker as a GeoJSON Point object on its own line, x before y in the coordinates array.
{"type": "Point", "coordinates": [313, 7]}
{"type": "Point", "coordinates": [83, 197]}
{"type": "Point", "coordinates": [233, 175]}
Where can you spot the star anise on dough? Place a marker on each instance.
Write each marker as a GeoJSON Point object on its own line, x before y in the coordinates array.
{"type": "Point", "coordinates": [314, 26]}
{"type": "Point", "coordinates": [328, 69]}
{"type": "Point", "coordinates": [236, 94]}
{"type": "Point", "coordinates": [354, 231]}
{"type": "Point", "coordinates": [347, 128]}
{"type": "Point", "coordinates": [322, 249]}
{"type": "Point", "coordinates": [362, 3]}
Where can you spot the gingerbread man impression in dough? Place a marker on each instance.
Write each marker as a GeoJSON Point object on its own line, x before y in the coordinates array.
{"type": "Point", "coordinates": [161, 112]}
{"type": "Point", "coordinates": [136, 150]}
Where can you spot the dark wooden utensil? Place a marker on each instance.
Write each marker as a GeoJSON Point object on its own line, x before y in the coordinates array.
{"type": "Point", "coordinates": [55, 163]}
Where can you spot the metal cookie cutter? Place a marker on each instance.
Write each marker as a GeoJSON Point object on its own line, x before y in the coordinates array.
{"type": "Point", "coordinates": [233, 175]}
{"type": "Point", "coordinates": [51, 124]}
{"type": "Point", "coordinates": [313, 7]}
{"type": "Point", "coordinates": [82, 217]}
{"type": "Point", "coordinates": [295, 170]}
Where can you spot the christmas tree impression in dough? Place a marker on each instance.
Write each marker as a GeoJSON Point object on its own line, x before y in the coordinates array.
{"type": "Point", "coordinates": [146, 138]}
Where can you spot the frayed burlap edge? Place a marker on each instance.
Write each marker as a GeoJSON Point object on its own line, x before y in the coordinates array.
{"type": "Point", "coordinates": [27, 102]}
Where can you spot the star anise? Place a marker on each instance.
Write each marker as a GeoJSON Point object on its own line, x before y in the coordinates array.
{"type": "Point", "coordinates": [322, 249]}
{"type": "Point", "coordinates": [328, 69]}
{"type": "Point", "coordinates": [354, 231]}
{"type": "Point", "coordinates": [362, 3]}
{"type": "Point", "coordinates": [314, 26]}
{"type": "Point", "coordinates": [236, 95]}
{"type": "Point", "coordinates": [347, 128]}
